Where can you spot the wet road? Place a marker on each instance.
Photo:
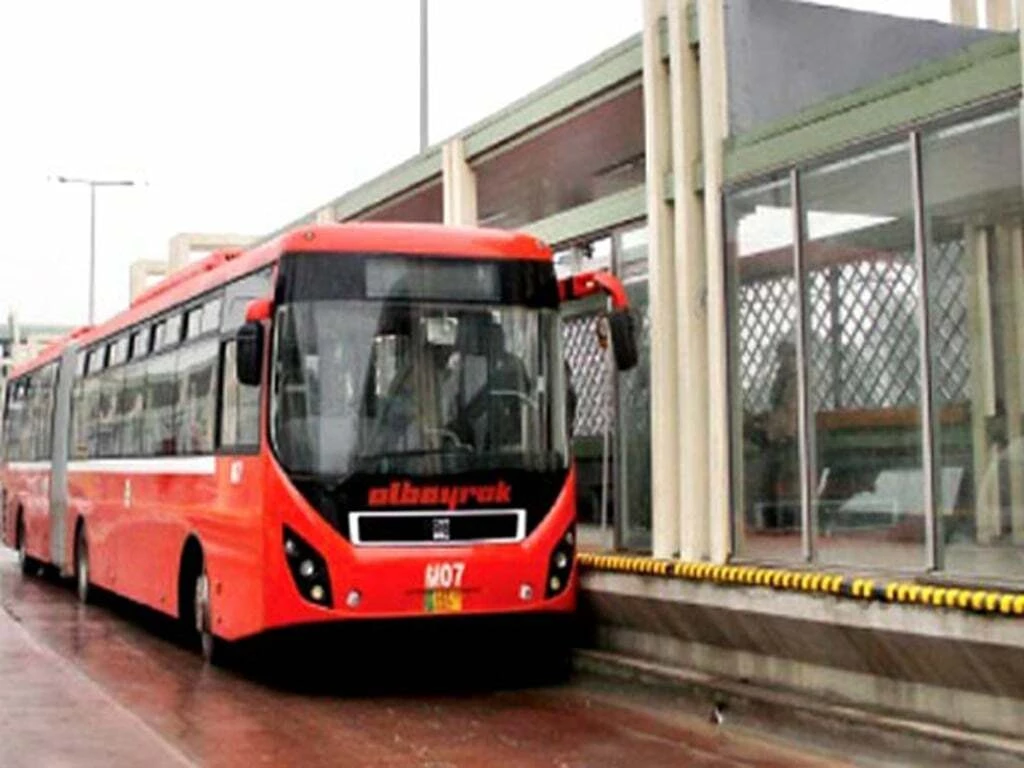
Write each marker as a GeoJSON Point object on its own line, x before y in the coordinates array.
{"type": "Point", "coordinates": [149, 700]}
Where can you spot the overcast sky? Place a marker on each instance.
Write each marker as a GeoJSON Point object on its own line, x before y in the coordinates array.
{"type": "Point", "coordinates": [241, 116]}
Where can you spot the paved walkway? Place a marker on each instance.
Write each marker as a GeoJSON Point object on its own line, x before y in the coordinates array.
{"type": "Point", "coordinates": [52, 715]}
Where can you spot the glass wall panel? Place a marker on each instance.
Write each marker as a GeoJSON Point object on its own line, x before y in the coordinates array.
{"type": "Point", "coordinates": [762, 299]}
{"type": "Point", "coordinates": [864, 384]}
{"type": "Point", "coordinates": [972, 193]}
{"type": "Point", "coordinates": [634, 401]}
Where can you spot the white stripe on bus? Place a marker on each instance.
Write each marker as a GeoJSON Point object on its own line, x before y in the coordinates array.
{"type": "Point", "coordinates": [28, 466]}
{"type": "Point", "coordinates": [161, 465]}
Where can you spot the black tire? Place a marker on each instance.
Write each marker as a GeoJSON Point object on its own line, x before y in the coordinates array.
{"type": "Point", "coordinates": [554, 662]}
{"type": "Point", "coordinates": [29, 565]}
{"type": "Point", "coordinates": [545, 651]}
{"type": "Point", "coordinates": [83, 568]}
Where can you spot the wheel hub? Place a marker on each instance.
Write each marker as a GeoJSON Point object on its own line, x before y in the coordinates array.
{"type": "Point", "coordinates": [82, 568]}
{"type": "Point", "coordinates": [202, 604]}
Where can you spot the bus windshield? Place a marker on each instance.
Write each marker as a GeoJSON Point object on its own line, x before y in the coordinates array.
{"type": "Point", "coordinates": [399, 385]}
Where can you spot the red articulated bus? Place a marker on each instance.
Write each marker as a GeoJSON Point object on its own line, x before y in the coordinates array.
{"type": "Point", "coordinates": [353, 421]}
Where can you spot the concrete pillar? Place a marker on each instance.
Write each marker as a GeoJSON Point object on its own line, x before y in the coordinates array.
{"type": "Point", "coordinates": [178, 252]}
{"type": "Point", "coordinates": [7, 361]}
{"type": "Point", "coordinates": [982, 382]}
{"type": "Point", "coordinates": [139, 274]}
{"type": "Point", "coordinates": [1016, 319]}
{"type": "Point", "coordinates": [662, 292]}
{"type": "Point", "coordinates": [999, 15]}
{"type": "Point", "coordinates": [964, 12]}
{"type": "Point", "coordinates": [12, 322]}
{"type": "Point", "coordinates": [459, 185]}
{"type": "Point", "coordinates": [183, 244]}
{"type": "Point", "coordinates": [691, 284]}
{"type": "Point", "coordinates": [714, 130]}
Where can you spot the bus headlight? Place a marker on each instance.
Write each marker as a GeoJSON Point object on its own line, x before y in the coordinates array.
{"type": "Point", "coordinates": [560, 564]}
{"type": "Point", "coordinates": [308, 569]}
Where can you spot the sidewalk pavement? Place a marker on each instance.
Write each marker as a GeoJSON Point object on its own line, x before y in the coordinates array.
{"type": "Point", "coordinates": [52, 715]}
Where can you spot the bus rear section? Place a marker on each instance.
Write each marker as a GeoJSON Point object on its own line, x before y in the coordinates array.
{"type": "Point", "coordinates": [418, 433]}
{"type": "Point", "coordinates": [27, 506]}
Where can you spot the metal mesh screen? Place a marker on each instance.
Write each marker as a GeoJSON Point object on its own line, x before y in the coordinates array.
{"type": "Point", "coordinates": [589, 375]}
{"type": "Point", "coordinates": [950, 353]}
{"type": "Point", "coordinates": [863, 332]}
{"type": "Point", "coordinates": [767, 312]}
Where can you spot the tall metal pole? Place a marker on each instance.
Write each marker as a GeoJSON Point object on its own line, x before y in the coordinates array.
{"type": "Point", "coordinates": [423, 75]}
{"type": "Point", "coordinates": [93, 183]}
{"type": "Point", "coordinates": [932, 489]}
{"type": "Point", "coordinates": [92, 253]}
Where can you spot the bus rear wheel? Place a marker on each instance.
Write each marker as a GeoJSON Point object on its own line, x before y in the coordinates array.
{"type": "Point", "coordinates": [28, 564]}
{"type": "Point", "coordinates": [83, 586]}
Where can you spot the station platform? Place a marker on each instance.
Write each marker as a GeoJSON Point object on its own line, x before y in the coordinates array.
{"type": "Point", "coordinates": [51, 714]}
{"type": "Point", "coordinates": [930, 652]}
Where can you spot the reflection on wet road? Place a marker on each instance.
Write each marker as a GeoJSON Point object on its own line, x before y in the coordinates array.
{"type": "Point", "coordinates": [352, 700]}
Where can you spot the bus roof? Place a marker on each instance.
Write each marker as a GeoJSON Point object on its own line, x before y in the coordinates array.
{"type": "Point", "coordinates": [425, 239]}
{"type": "Point", "coordinates": [356, 237]}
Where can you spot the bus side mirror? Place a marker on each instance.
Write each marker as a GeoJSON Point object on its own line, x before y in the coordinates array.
{"type": "Point", "coordinates": [249, 357]}
{"type": "Point", "coordinates": [623, 332]}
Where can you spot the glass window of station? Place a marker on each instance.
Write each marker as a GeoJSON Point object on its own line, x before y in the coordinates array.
{"type": "Point", "coordinates": [876, 321]}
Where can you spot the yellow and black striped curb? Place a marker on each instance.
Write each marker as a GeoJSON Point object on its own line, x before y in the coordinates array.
{"type": "Point", "coordinates": [902, 592]}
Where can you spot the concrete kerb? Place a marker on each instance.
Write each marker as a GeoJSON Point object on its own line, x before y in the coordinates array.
{"type": "Point", "coordinates": [805, 713]}
{"type": "Point", "coordinates": [989, 602]}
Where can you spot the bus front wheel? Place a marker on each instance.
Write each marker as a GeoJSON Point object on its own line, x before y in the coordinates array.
{"type": "Point", "coordinates": [212, 648]}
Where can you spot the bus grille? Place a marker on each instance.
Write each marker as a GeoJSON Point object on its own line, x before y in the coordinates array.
{"type": "Point", "coordinates": [437, 527]}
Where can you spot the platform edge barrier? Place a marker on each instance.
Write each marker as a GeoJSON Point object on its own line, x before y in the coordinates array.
{"type": "Point", "coordinates": [979, 601]}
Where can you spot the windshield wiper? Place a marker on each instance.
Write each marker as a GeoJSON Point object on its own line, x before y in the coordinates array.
{"type": "Point", "coordinates": [385, 461]}
{"type": "Point", "coordinates": [403, 454]}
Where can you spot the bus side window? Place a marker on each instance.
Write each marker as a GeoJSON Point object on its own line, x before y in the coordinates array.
{"type": "Point", "coordinates": [130, 408]}
{"type": "Point", "coordinates": [237, 296]}
{"type": "Point", "coordinates": [44, 434]}
{"type": "Point", "coordinates": [14, 420]}
{"type": "Point", "coordinates": [108, 427]}
{"type": "Point", "coordinates": [197, 397]}
{"type": "Point", "coordinates": [239, 406]}
{"type": "Point", "coordinates": [79, 448]}
{"type": "Point", "coordinates": [5, 424]}
{"type": "Point", "coordinates": [159, 426]}
{"type": "Point", "coordinates": [91, 414]}
{"type": "Point", "coordinates": [25, 451]}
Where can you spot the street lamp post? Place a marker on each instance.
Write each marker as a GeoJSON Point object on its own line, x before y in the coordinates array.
{"type": "Point", "coordinates": [423, 76]}
{"type": "Point", "coordinates": [92, 184]}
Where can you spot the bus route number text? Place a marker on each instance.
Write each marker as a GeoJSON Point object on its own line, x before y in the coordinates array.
{"type": "Point", "coordinates": [443, 575]}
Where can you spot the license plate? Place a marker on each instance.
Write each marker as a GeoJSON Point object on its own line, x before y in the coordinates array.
{"type": "Point", "coordinates": [442, 600]}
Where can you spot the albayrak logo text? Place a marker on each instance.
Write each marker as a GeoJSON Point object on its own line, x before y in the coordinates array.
{"type": "Point", "coordinates": [405, 494]}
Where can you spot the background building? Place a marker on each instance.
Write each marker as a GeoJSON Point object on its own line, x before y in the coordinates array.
{"type": "Point", "coordinates": [20, 342]}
